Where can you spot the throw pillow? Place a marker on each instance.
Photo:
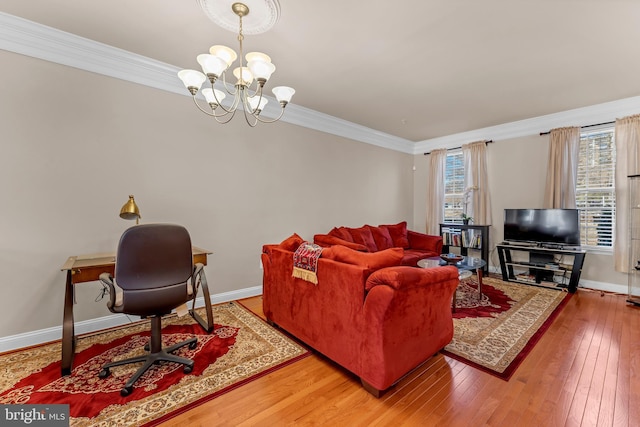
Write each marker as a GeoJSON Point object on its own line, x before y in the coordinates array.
{"type": "Point", "coordinates": [341, 233]}
{"type": "Point", "coordinates": [382, 237]}
{"type": "Point", "coordinates": [371, 260]}
{"type": "Point", "coordinates": [291, 243]}
{"type": "Point", "coordinates": [363, 236]}
{"type": "Point", "coordinates": [398, 234]}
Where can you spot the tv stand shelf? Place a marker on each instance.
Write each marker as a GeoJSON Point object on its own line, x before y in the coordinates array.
{"type": "Point", "coordinates": [539, 270]}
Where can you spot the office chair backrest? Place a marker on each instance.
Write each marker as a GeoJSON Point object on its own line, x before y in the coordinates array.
{"type": "Point", "coordinates": [153, 264]}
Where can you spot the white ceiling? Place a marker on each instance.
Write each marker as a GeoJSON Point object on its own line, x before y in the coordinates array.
{"type": "Point", "coordinates": [414, 69]}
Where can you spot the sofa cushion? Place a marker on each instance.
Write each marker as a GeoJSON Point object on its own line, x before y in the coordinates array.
{"type": "Point", "coordinates": [342, 233]}
{"type": "Point", "coordinates": [327, 240]}
{"type": "Point", "coordinates": [382, 237]}
{"type": "Point", "coordinates": [398, 234]}
{"type": "Point", "coordinates": [363, 236]}
{"type": "Point", "coordinates": [371, 260]}
{"type": "Point", "coordinates": [412, 256]}
{"type": "Point", "coordinates": [291, 243]}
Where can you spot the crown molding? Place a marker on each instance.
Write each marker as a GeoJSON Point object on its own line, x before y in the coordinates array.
{"type": "Point", "coordinates": [605, 112]}
{"type": "Point", "coordinates": [29, 38]}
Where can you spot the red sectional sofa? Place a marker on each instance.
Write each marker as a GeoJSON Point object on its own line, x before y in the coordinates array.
{"type": "Point", "coordinates": [377, 238]}
{"type": "Point", "coordinates": [367, 312]}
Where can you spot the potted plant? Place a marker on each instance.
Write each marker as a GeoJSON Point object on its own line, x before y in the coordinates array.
{"type": "Point", "coordinates": [466, 219]}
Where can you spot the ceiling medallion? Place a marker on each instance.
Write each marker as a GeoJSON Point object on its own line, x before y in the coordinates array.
{"type": "Point", "coordinates": [264, 14]}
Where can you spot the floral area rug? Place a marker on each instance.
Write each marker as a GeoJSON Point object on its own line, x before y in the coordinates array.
{"type": "Point", "coordinates": [496, 332]}
{"type": "Point", "coordinates": [242, 347]}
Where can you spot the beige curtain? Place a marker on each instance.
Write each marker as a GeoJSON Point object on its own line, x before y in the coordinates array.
{"type": "Point", "coordinates": [627, 135]}
{"type": "Point", "coordinates": [435, 191]}
{"type": "Point", "coordinates": [562, 168]}
{"type": "Point", "coordinates": [476, 182]}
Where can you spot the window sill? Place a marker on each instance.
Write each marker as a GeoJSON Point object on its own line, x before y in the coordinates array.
{"type": "Point", "coordinates": [598, 251]}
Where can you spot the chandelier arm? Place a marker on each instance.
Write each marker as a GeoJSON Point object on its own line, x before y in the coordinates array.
{"type": "Point", "coordinates": [230, 110]}
{"type": "Point", "coordinates": [233, 107]}
{"type": "Point", "coordinates": [224, 122]}
{"type": "Point", "coordinates": [257, 90]}
{"type": "Point", "coordinates": [195, 101]}
{"type": "Point", "coordinates": [226, 87]}
{"type": "Point", "coordinates": [219, 102]}
{"type": "Point", "coordinates": [213, 113]}
{"type": "Point", "coordinates": [246, 118]}
{"type": "Point", "coordinates": [247, 107]}
{"type": "Point", "coordinates": [272, 120]}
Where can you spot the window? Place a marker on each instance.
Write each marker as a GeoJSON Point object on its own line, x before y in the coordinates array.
{"type": "Point", "coordinates": [454, 187]}
{"type": "Point", "coordinates": [595, 189]}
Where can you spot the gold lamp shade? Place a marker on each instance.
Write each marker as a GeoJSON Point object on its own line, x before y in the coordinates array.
{"type": "Point", "coordinates": [130, 210]}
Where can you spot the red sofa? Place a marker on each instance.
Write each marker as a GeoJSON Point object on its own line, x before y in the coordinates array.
{"type": "Point", "coordinates": [376, 238]}
{"type": "Point", "coordinates": [367, 313]}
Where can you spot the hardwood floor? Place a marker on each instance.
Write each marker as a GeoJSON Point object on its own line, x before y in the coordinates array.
{"type": "Point", "coordinates": [585, 371]}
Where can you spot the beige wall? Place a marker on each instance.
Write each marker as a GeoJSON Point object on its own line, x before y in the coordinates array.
{"type": "Point", "coordinates": [517, 176]}
{"type": "Point", "coordinates": [75, 144]}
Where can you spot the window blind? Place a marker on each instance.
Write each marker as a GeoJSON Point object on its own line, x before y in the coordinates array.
{"type": "Point", "coordinates": [595, 188]}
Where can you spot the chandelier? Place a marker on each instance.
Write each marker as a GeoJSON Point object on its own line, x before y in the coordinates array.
{"type": "Point", "coordinates": [245, 94]}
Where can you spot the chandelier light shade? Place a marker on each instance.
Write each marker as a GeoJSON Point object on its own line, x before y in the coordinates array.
{"type": "Point", "coordinates": [245, 93]}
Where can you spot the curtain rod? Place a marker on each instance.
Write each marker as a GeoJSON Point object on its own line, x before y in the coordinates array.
{"type": "Point", "coordinates": [582, 127]}
{"type": "Point", "coordinates": [457, 148]}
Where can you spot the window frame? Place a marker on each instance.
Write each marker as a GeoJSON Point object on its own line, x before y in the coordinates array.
{"type": "Point", "coordinates": [598, 189]}
{"type": "Point", "coordinates": [458, 185]}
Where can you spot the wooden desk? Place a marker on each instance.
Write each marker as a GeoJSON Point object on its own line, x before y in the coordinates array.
{"type": "Point", "coordinates": [88, 268]}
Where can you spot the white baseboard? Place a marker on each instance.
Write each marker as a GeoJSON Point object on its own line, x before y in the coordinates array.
{"type": "Point", "coordinates": [27, 339]}
{"type": "Point", "coordinates": [603, 286]}
{"type": "Point", "coordinates": [586, 284]}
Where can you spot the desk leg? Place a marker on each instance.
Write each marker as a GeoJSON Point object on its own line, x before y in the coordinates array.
{"type": "Point", "coordinates": [208, 324]}
{"type": "Point", "coordinates": [68, 334]}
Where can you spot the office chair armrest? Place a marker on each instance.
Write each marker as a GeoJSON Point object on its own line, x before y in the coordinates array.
{"type": "Point", "coordinates": [107, 280]}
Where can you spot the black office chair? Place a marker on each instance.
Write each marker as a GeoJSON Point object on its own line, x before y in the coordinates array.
{"type": "Point", "coordinates": [154, 269]}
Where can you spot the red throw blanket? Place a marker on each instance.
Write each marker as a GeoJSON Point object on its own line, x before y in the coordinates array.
{"type": "Point", "coordinates": [305, 262]}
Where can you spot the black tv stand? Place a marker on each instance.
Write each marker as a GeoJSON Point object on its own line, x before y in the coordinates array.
{"type": "Point", "coordinates": [540, 264]}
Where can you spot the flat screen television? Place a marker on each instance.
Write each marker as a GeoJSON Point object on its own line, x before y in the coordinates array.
{"type": "Point", "coordinates": [550, 226]}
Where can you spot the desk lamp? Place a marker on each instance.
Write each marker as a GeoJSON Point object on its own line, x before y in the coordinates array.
{"type": "Point", "coordinates": [130, 210]}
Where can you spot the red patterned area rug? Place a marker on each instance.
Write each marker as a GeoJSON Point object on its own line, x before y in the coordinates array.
{"type": "Point", "coordinates": [241, 348]}
{"type": "Point", "coordinates": [495, 333]}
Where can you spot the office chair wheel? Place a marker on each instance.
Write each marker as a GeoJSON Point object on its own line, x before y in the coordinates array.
{"type": "Point", "coordinates": [147, 346]}
{"type": "Point", "coordinates": [104, 373]}
{"type": "Point", "coordinates": [193, 345]}
{"type": "Point", "coordinates": [187, 369]}
{"type": "Point", "coordinates": [126, 391]}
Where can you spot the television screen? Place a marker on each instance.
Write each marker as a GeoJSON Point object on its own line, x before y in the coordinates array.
{"type": "Point", "coordinates": [559, 226]}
